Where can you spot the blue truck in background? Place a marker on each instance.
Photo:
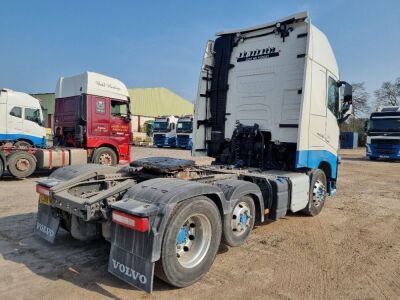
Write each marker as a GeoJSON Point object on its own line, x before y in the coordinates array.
{"type": "Point", "coordinates": [184, 129]}
{"type": "Point", "coordinates": [383, 134]}
{"type": "Point", "coordinates": [164, 131]}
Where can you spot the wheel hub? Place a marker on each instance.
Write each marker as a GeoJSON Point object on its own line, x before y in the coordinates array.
{"type": "Point", "coordinates": [193, 240]}
{"type": "Point", "coordinates": [318, 193]}
{"type": "Point", "coordinates": [22, 164]}
{"type": "Point", "coordinates": [105, 159]}
{"type": "Point", "coordinates": [240, 218]}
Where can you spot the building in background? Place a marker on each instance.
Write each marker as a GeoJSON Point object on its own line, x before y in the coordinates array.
{"type": "Point", "coordinates": [146, 104]}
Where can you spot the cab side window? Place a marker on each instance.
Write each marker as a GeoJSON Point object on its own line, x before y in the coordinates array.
{"type": "Point", "coordinates": [333, 96]}
{"type": "Point", "coordinates": [16, 112]}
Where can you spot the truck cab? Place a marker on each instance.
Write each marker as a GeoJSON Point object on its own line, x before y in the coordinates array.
{"type": "Point", "coordinates": [21, 120]}
{"type": "Point", "coordinates": [164, 131]}
{"type": "Point", "coordinates": [383, 134]}
{"type": "Point", "coordinates": [92, 111]}
{"type": "Point", "coordinates": [268, 97]}
{"type": "Point", "coordinates": [184, 129]}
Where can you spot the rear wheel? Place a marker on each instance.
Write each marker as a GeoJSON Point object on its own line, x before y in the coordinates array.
{"type": "Point", "coordinates": [21, 164]}
{"type": "Point", "coordinates": [317, 194]}
{"type": "Point", "coordinates": [104, 156]}
{"type": "Point", "coordinates": [190, 243]}
{"type": "Point", "coordinates": [373, 158]}
{"type": "Point", "coordinates": [239, 223]}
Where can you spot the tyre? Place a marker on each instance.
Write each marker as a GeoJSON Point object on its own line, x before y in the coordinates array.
{"type": "Point", "coordinates": [317, 194]}
{"type": "Point", "coordinates": [22, 144]}
{"type": "Point", "coordinates": [373, 158]}
{"type": "Point", "coordinates": [21, 164]}
{"type": "Point", "coordinates": [104, 156]}
{"type": "Point", "coordinates": [238, 224]}
{"type": "Point", "coordinates": [1, 167]}
{"type": "Point", "coordinates": [191, 242]}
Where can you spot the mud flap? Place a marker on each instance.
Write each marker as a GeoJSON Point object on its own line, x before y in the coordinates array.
{"type": "Point", "coordinates": [131, 268]}
{"type": "Point", "coordinates": [46, 223]}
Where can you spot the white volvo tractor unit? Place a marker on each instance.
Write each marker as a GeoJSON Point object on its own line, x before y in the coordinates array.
{"type": "Point", "coordinates": [267, 111]}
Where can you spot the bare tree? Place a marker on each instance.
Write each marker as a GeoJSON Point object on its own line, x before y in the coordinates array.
{"type": "Point", "coordinates": [388, 93]}
{"type": "Point", "coordinates": [360, 99]}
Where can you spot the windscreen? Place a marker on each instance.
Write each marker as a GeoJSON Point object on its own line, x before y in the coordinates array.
{"type": "Point", "coordinates": [392, 124]}
{"type": "Point", "coordinates": [184, 127]}
{"type": "Point", "coordinates": [160, 126]}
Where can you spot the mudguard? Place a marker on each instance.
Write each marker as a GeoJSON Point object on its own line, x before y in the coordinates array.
{"type": "Point", "coordinates": [156, 199]}
{"type": "Point", "coordinates": [47, 223]}
{"type": "Point", "coordinates": [235, 189]}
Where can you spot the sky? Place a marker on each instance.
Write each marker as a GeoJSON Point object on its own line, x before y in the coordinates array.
{"type": "Point", "coordinates": [161, 43]}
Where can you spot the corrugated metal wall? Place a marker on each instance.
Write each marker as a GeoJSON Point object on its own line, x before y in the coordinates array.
{"type": "Point", "coordinates": [153, 102]}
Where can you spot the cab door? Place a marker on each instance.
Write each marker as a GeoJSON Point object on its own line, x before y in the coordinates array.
{"type": "Point", "coordinates": [317, 129]}
{"type": "Point", "coordinates": [99, 117]}
{"type": "Point", "coordinates": [14, 120]}
{"type": "Point", "coordinates": [32, 122]}
{"type": "Point", "coordinates": [332, 128]}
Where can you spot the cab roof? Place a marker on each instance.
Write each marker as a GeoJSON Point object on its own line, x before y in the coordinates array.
{"type": "Point", "coordinates": [298, 17]}
{"type": "Point", "coordinates": [93, 84]}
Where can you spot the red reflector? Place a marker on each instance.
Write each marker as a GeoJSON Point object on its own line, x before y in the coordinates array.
{"type": "Point", "coordinates": [42, 190]}
{"type": "Point", "coordinates": [129, 221]}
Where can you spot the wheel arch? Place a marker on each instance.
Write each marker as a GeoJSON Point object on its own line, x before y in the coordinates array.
{"type": "Point", "coordinates": [25, 140]}
{"type": "Point", "coordinates": [326, 168]}
{"type": "Point", "coordinates": [235, 189]}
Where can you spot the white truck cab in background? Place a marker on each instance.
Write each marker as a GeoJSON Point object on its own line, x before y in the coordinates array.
{"type": "Point", "coordinates": [184, 129]}
{"type": "Point", "coordinates": [21, 119]}
{"type": "Point", "coordinates": [164, 131]}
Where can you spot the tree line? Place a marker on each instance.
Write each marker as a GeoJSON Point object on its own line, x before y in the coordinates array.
{"type": "Point", "coordinates": [387, 95]}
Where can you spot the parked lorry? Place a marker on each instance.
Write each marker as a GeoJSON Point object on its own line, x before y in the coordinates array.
{"type": "Point", "coordinates": [92, 124]}
{"type": "Point", "coordinates": [383, 134]}
{"type": "Point", "coordinates": [21, 120]}
{"type": "Point", "coordinates": [273, 133]}
{"type": "Point", "coordinates": [184, 129]}
{"type": "Point", "coordinates": [164, 131]}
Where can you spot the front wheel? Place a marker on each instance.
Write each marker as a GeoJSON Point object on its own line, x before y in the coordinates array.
{"type": "Point", "coordinates": [317, 194]}
{"type": "Point", "coordinates": [104, 156]}
{"type": "Point", "coordinates": [22, 144]}
{"type": "Point", "coordinates": [190, 243]}
{"type": "Point", "coordinates": [1, 167]}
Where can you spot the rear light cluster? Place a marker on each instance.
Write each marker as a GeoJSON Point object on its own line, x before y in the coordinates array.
{"type": "Point", "coordinates": [40, 189]}
{"type": "Point", "coordinates": [131, 222]}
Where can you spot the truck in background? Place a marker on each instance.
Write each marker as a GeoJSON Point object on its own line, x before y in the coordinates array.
{"type": "Point", "coordinates": [164, 131]}
{"type": "Point", "coordinates": [21, 120]}
{"type": "Point", "coordinates": [184, 130]}
{"type": "Point", "coordinates": [274, 134]}
{"type": "Point", "coordinates": [92, 124]}
{"type": "Point", "coordinates": [383, 134]}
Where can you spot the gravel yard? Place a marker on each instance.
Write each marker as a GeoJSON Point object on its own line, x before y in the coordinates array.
{"type": "Point", "coordinates": [350, 251]}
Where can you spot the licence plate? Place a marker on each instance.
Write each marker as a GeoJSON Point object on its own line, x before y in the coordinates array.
{"type": "Point", "coordinates": [44, 199]}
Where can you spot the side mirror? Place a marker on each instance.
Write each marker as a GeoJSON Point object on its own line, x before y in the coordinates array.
{"type": "Point", "coordinates": [366, 126]}
{"type": "Point", "coordinates": [346, 108]}
{"type": "Point", "coordinates": [128, 118]}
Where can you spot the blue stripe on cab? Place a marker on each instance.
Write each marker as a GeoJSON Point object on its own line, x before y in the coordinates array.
{"type": "Point", "coordinates": [37, 141]}
{"type": "Point", "coordinates": [312, 159]}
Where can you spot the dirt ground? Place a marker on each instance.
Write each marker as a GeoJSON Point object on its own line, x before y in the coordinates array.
{"type": "Point", "coordinates": [350, 251]}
